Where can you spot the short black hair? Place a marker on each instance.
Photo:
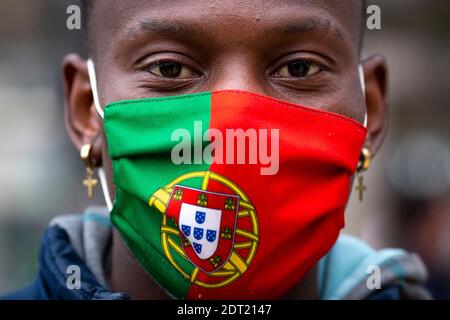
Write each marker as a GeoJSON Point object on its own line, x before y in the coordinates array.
{"type": "Point", "coordinates": [86, 7]}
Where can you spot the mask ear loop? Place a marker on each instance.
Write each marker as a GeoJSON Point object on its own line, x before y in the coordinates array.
{"type": "Point", "coordinates": [102, 176]}
{"type": "Point", "coordinates": [101, 171]}
{"type": "Point", "coordinates": [363, 87]}
{"type": "Point", "coordinates": [93, 80]}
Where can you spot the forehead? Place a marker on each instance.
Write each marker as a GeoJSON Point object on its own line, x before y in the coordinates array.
{"type": "Point", "coordinates": [228, 20]}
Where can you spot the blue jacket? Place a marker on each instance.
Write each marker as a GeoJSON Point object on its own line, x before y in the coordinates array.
{"type": "Point", "coordinates": [84, 241]}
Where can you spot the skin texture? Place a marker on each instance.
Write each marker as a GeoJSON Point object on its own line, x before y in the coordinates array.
{"type": "Point", "coordinates": [228, 44]}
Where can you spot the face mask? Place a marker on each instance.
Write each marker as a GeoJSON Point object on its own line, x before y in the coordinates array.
{"type": "Point", "coordinates": [239, 227]}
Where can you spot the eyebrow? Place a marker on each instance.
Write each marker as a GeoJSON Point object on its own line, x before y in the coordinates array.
{"type": "Point", "coordinates": [172, 28]}
{"type": "Point", "coordinates": [308, 25]}
{"type": "Point", "coordinates": [180, 29]}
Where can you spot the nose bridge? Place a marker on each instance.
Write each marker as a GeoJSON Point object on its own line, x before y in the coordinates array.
{"type": "Point", "coordinates": [238, 72]}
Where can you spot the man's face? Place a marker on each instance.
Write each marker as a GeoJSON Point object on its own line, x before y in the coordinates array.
{"type": "Point", "coordinates": [305, 52]}
{"type": "Point", "coordinates": [302, 51]}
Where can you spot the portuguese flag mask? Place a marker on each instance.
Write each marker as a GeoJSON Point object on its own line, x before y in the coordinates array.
{"type": "Point", "coordinates": [202, 208]}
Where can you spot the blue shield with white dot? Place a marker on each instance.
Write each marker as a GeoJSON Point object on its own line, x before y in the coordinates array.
{"type": "Point", "coordinates": [200, 217]}
{"type": "Point", "coordinates": [198, 233]}
{"type": "Point", "coordinates": [186, 230]}
{"type": "Point", "coordinates": [211, 235]}
{"type": "Point", "coordinates": [197, 247]}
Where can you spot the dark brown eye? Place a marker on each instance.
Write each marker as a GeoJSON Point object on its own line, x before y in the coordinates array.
{"type": "Point", "coordinates": [171, 69]}
{"type": "Point", "coordinates": [298, 69]}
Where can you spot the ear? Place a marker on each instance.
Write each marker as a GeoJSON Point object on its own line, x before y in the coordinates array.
{"type": "Point", "coordinates": [82, 122]}
{"type": "Point", "coordinates": [376, 78]}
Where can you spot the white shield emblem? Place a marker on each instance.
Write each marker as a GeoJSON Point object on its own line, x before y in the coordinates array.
{"type": "Point", "coordinates": [201, 227]}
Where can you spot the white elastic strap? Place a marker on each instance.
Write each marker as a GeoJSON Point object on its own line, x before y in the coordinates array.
{"type": "Point", "coordinates": [363, 87]}
{"type": "Point", "coordinates": [103, 182]}
{"type": "Point", "coordinates": [93, 80]}
{"type": "Point", "coordinates": [101, 171]}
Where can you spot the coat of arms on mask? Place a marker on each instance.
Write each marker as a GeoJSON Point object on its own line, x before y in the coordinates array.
{"type": "Point", "coordinates": [216, 231]}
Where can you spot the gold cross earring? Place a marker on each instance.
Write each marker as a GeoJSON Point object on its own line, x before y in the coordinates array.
{"type": "Point", "coordinates": [363, 165]}
{"type": "Point", "coordinates": [89, 182]}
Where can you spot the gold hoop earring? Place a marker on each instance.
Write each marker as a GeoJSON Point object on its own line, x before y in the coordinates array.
{"type": "Point", "coordinates": [364, 163]}
{"type": "Point", "coordinates": [90, 182]}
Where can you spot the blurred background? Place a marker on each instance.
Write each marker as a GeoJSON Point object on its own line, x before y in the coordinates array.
{"type": "Point", "coordinates": [408, 199]}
